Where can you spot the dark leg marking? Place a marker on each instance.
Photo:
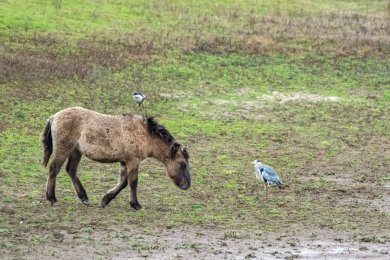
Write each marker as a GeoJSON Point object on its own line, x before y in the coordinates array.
{"type": "Point", "coordinates": [71, 169]}
{"type": "Point", "coordinates": [112, 194]}
{"type": "Point", "coordinates": [122, 183]}
{"type": "Point", "coordinates": [134, 184]}
{"type": "Point", "coordinates": [133, 194]}
{"type": "Point", "coordinates": [55, 168]}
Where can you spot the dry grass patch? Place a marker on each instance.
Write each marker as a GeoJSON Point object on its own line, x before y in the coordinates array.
{"type": "Point", "coordinates": [276, 96]}
{"type": "Point", "coordinates": [47, 55]}
{"type": "Point", "coordinates": [342, 33]}
{"type": "Point", "coordinates": [42, 57]}
{"type": "Point", "coordinates": [252, 108]}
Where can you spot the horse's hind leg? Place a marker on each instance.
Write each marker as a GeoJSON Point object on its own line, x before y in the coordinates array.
{"type": "Point", "coordinates": [122, 183]}
{"type": "Point", "coordinates": [55, 168]}
{"type": "Point", "coordinates": [71, 168]}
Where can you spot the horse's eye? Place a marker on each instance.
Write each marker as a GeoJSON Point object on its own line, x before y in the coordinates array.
{"type": "Point", "coordinates": [183, 165]}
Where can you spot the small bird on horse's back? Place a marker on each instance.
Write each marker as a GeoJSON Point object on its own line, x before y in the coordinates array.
{"type": "Point", "coordinates": [139, 98]}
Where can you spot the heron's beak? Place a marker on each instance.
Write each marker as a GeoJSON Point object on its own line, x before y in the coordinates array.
{"type": "Point", "coordinates": [254, 162]}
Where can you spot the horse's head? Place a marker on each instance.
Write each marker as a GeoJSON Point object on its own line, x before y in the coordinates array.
{"type": "Point", "coordinates": [176, 159]}
{"type": "Point", "coordinates": [178, 167]}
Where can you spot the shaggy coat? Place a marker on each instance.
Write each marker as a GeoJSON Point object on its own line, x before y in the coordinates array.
{"type": "Point", "coordinates": [127, 139]}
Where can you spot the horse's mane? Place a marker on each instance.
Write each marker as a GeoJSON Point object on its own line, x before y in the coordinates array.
{"type": "Point", "coordinates": [155, 129]}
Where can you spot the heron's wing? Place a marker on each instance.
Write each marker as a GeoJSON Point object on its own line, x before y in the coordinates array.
{"type": "Point", "coordinates": [270, 175]}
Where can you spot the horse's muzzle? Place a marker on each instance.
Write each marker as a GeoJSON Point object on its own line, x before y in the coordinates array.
{"type": "Point", "coordinates": [182, 183]}
{"type": "Point", "coordinates": [186, 186]}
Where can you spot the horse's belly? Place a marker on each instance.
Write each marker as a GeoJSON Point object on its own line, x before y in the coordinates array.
{"type": "Point", "coordinates": [103, 156]}
{"type": "Point", "coordinates": [102, 148]}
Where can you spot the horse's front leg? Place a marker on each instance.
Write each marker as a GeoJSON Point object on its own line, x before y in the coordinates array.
{"type": "Point", "coordinates": [133, 183]}
{"type": "Point", "coordinates": [122, 183]}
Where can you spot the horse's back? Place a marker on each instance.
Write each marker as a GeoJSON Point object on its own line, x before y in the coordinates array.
{"type": "Point", "coordinates": [96, 135]}
{"type": "Point", "coordinates": [78, 116]}
{"type": "Point", "coordinates": [78, 112]}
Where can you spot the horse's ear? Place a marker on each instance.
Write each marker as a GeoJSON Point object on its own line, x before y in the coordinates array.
{"type": "Point", "coordinates": [185, 152]}
{"type": "Point", "coordinates": [175, 147]}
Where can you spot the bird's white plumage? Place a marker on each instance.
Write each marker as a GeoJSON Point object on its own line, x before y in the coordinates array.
{"type": "Point", "coordinates": [139, 98]}
{"type": "Point", "coordinates": [258, 174]}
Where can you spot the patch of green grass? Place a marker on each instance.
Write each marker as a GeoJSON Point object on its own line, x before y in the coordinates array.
{"type": "Point", "coordinates": [385, 178]}
{"type": "Point", "coordinates": [321, 182]}
{"type": "Point", "coordinates": [4, 231]}
{"type": "Point", "coordinates": [143, 245]}
{"type": "Point", "coordinates": [345, 224]}
{"type": "Point", "coordinates": [371, 239]}
{"type": "Point", "coordinates": [85, 16]}
{"type": "Point", "coordinates": [273, 211]}
{"type": "Point", "coordinates": [187, 245]}
{"type": "Point", "coordinates": [8, 245]}
{"type": "Point", "coordinates": [36, 239]}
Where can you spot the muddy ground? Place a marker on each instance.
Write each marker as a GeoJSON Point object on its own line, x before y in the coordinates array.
{"type": "Point", "coordinates": [196, 243]}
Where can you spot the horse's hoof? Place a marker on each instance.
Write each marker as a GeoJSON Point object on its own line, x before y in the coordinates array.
{"type": "Point", "coordinates": [52, 200]}
{"type": "Point", "coordinates": [84, 198]}
{"type": "Point", "coordinates": [107, 198]}
{"type": "Point", "coordinates": [135, 205]}
{"type": "Point", "coordinates": [86, 202]}
{"type": "Point", "coordinates": [105, 202]}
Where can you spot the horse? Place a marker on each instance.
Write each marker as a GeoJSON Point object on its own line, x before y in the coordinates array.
{"type": "Point", "coordinates": [128, 139]}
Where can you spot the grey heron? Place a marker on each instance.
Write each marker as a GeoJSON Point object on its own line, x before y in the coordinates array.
{"type": "Point", "coordinates": [267, 174]}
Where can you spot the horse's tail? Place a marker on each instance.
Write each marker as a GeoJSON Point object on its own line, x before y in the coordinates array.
{"type": "Point", "coordinates": [47, 141]}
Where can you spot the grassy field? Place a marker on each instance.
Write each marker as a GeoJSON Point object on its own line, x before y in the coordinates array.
{"type": "Point", "coordinates": [302, 85]}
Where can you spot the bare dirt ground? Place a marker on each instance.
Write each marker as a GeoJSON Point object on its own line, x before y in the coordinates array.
{"type": "Point", "coordinates": [195, 243]}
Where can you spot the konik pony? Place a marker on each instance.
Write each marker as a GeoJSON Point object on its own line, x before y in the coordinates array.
{"type": "Point", "coordinates": [127, 139]}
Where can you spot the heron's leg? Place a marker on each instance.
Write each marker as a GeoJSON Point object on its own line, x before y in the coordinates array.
{"type": "Point", "coordinates": [257, 196]}
{"type": "Point", "coordinates": [265, 190]}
